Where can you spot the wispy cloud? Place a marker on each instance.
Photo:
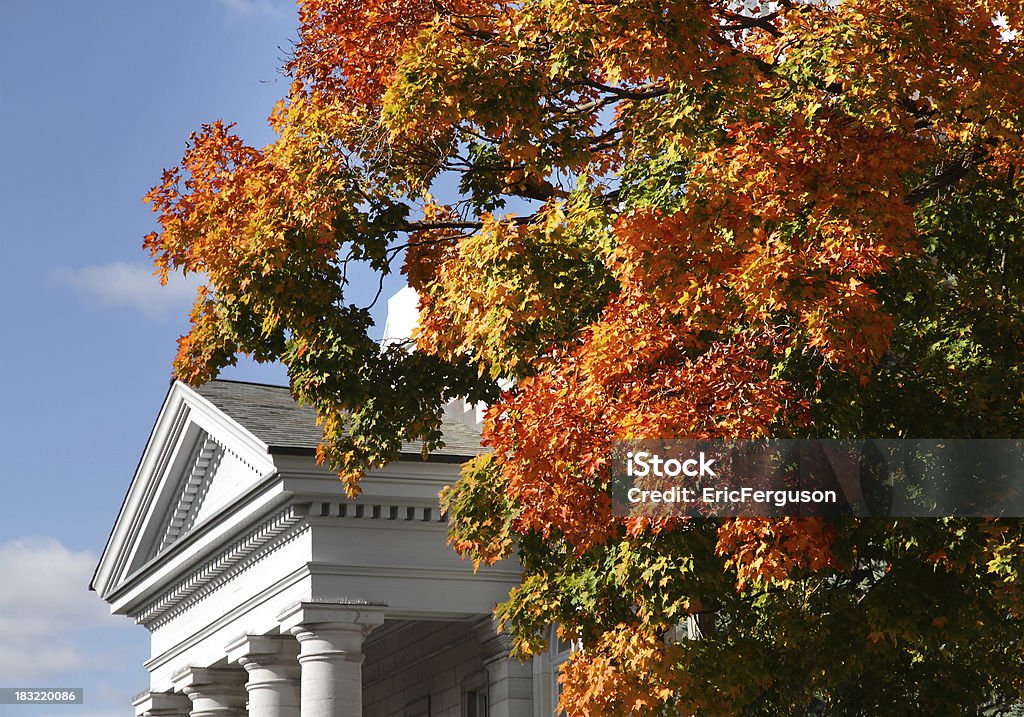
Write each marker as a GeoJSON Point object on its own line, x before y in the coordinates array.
{"type": "Point", "coordinates": [251, 8]}
{"type": "Point", "coordinates": [120, 284]}
{"type": "Point", "coordinates": [102, 699]}
{"type": "Point", "coordinates": [48, 618]}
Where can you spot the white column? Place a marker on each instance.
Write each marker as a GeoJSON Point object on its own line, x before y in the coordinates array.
{"type": "Point", "coordinates": [273, 667]}
{"type": "Point", "coordinates": [510, 681]}
{"type": "Point", "coordinates": [330, 639]}
{"type": "Point", "coordinates": [215, 692]}
{"type": "Point", "coordinates": [162, 704]}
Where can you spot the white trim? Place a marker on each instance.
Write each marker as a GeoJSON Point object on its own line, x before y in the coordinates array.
{"type": "Point", "coordinates": [297, 575]}
{"type": "Point", "coordinates": [183, 517]}
{"type": "Point", "coordinates": [488, 574]}
{"type": "Point", "coordinates": [184, 418]}
{"type": "Point", "coordinates": [213, 534]}
{"type": "Point", "coordinates": [167, 430]}
{"type": "Point", "coordinates": [220, 424]}
{"type": "Point", "coordinates": [241, 555]}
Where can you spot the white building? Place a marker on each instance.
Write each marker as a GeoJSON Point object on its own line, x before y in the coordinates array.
{"type": "Point", "coordinates": [267, 592]}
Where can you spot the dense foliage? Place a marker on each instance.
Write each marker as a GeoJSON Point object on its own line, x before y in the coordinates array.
{"type": "Point", "coordinates": [691, 219]}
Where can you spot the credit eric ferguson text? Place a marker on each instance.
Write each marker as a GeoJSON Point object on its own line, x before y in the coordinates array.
{"type": "Point", "coordinates": [818, 478]}
{"type": "Point", "coordinates": [721, 496]}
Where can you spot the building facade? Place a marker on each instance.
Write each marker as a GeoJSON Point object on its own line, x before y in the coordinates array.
{"type": "Point", "coordinates": [267, 592]}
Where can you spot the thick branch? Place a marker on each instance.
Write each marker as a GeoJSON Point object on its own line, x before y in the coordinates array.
{"type": "Point", "coordinates": [432, 226]}
{"type": "Point", "coordinates": [746, 22]}
{"type": "Point", "coordinates": [947, 176]}
{"type": "Point", "coordinates": [422, 226]}
{"type": "Point", "coordinates": [642, 93]}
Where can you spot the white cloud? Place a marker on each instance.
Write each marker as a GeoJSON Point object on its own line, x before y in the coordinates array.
{"type": "Point", "coordinates": [47, 611]}
{"type": "Point", "coordinates": [120, 284]}
{"type": "Point", "coordinates": [251, 8]}
{"type": "Point", "coordinates": [101, 700]}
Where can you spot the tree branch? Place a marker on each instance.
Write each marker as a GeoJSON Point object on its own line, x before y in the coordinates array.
{"type": "Point", "coordinates": [746, 22]}
{"type": "Point", "coordinates": [642, 93]}
{"type": "Point", "coordinates": [433, 226]}
{"type": "Point", "coordinates": [948, 175]}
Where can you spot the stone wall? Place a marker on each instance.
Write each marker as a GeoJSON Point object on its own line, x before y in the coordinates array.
{"type": "Point", "coordinates": [408, 663]}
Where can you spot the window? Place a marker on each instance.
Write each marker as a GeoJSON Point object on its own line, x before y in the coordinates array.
{"type": "Point", "coordinates": [560, 651]}
{"type": "Point", "coordinates": [546, 666]}
{"type": "Point", "coordinates": [474, 695]}
{"type": "Point", "coordinates": [476, 703]}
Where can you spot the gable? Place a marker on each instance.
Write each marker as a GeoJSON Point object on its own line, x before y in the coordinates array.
{"type": "Point", "coordinates": [214, 475]}
{"type": "Point", "coordinates": [197, 463]}
{"type": "Point", "coordinates": [210, 447]}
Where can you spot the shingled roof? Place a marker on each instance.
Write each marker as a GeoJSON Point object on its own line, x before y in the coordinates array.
{"type": "Point", "coordinates": [272, 415]}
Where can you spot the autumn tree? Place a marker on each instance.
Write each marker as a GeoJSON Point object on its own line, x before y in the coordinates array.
{"type": "Point", "coordinates": [691, 219]}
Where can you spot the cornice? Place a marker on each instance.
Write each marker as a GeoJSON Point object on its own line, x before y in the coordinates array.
{"type": "Point", "coordinates": [283, 527]}
{"type": "Point", "coordinates": [239, 556]}
{"type": "Point", "coordinates": [410, 572]}
{"type": "Point", "coordinates": [282, 584]}
{"type": "Point", "coordinates": [227, 430]}
{"type": "Point", "coordinates": [156, 456]}
{"type": "Point", "coordinates": [398, 511]}
{"type": "Point", "coordinates": [184, 413]}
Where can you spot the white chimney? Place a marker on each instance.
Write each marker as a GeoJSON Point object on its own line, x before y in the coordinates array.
{"type": "Point", "coordinates": [403, 315]}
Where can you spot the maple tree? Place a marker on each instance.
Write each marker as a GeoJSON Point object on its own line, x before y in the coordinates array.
{"type": "Point", "coordinates": [692, 219]}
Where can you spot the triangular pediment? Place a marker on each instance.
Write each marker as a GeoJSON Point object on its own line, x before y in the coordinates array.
{"type": "Point", "coordinates": [197, 464]}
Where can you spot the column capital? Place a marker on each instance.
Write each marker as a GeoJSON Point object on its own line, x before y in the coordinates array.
{"type": "Point", "coordinates": [273, 666]}
{"type": "Point", "coordinates": [214, 691]}
{"type": "Point", "coordinates": [344, 614]}
{"type": "Point", "coordinates": [247, 649]}
{"type": "Point", "coordinates": [330, 636]}
{"type": "Point", "coordinates": [161, 704]}
{"type": "Point", "coordinates": [201, 676]}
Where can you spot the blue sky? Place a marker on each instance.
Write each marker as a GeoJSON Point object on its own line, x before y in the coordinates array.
{"type": "Point", "coordinates": [96, 98]}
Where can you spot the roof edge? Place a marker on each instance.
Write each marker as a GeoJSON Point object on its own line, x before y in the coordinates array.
{"type": "Point", "coordinates": [404, 457]}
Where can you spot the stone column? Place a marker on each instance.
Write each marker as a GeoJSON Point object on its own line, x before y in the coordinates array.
{"type": "Point", "coordinates": [330, 639]}
{"type": "Point", "coordinates": [161, 704]}
{"type": "Point", "coordinates": [215, 692]}
{"type": "Point", "coordinates": [510, 681]}
{"type": "Point", "coordinates": [273, 668]}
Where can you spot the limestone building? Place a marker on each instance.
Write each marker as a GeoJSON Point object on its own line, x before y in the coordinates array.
{"type": "Point", "coordinates": [266, 591]}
